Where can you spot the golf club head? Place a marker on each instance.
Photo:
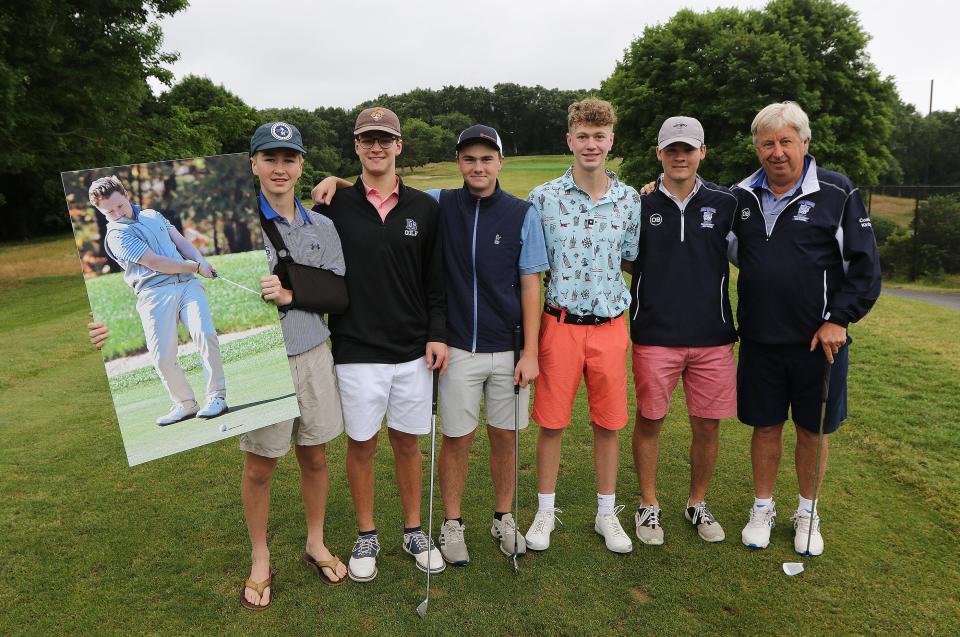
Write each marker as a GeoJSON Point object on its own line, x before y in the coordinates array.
{"type": "Point", "coordinates": [422, 608]}
{"type": "Point", "coordinates": [792, 568]}
{"type": "Point", "coordinates": [516, 567]}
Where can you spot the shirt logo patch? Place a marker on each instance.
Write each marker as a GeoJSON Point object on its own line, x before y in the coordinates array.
{"type": "Point", "coordinates": [281, 131]}
{"type": "Point", "coordinates": [411, 229]}
{"type": "Point", "coordinates": [656, 219]}
{"type": "Point", "coordinates": [496, 240]}
{"type": "Point", "coordinates": [803, 211]}
{"type": "Point", "coordinates": [865, 222]}
{"type": "Point", "coordinates": [707, 217]}
{"type": "Point", "coordinates": [745, 214]}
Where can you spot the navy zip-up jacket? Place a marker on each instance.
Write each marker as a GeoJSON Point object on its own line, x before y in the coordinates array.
{"type": "Point", "coordinates": [681, 274]}
{"type": "Point", "coordinates": [818, 264]}
{"type": "Point", "coordinates": [483, 303]}
{"type": "Point", "coordinates": [394, 277]}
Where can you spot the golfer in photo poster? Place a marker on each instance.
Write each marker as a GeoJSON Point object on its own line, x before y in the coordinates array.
{"type": "Point", "coordinates": [172, 255]}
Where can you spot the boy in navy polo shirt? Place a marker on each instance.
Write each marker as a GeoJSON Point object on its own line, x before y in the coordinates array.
{"type": "Point", "coordinates": [681, 323]}
{"type": "Point", "coordinates": [159, 264]}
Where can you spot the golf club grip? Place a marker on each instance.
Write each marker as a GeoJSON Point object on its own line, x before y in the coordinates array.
{"type": "Point", "coordinates": [517, 344]}
{"type": "Point", "coordinates": [436, 390]}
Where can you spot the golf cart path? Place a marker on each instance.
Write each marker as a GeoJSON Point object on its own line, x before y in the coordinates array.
{"type": "Point", "coordinates": [949, 300]}
{"type": "Point", "coordinates": [130, 363]}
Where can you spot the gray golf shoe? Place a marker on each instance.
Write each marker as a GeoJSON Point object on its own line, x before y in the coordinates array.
{"type": "Point", "coordinates": [505, 530]}
{"type": "Point", "coordinates": [649, 529]}
{"type": "Point", "coordinates": [453, 546]}
{"type": "Point", "coordinates": [708, 528]}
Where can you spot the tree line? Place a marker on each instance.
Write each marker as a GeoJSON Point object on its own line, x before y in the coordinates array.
{"type": "Point", "coordinates": [74, 94]}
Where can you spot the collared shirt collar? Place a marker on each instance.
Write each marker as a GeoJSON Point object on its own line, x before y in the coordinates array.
{"type": "Point", "coordinates": [615, 191]}
{"type": "Point", "coordinates": [127, 220]}
{"type": "Point", "coordinates": [682, 203]}
{"type": "Point", "coordinates": [808, 181]}
{"type": "Point", "coordinates": [271, 214]}
{"type": "Point", "coordinates": [469, 196]}
{"type": "Point", "coordinates": [396, 189]}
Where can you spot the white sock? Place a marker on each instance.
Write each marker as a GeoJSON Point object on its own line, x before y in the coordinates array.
{"type": "Point", "coordinates": [762, 502]}
{"type": "Point", "coordinates": [805, 505]}
{"type": "Point", "coordinates": [546, 501]}
{"type": "Point", "coordinates": [605, 503]}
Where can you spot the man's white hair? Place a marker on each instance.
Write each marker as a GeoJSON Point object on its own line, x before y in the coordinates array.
{"type": "Point", "coordinates": [779, 114]}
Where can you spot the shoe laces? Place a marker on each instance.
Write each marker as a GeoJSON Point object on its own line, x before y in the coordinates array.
{"type": "Point", "coordinates": [650, 516]}
{"type": "Point", "coordinates": [452, 533]}
{"type": "Point", "coordinates": [760, 517]}
{"type": "Point", "coordinates": [366, 546]}
{"type": "Point", "coordinates": [418, 542]}
{"type": "Point", "coordinates": [802, 521]}
{"type": "Point", "coordinates": [540, 520]}
{"type": "Point", "coordinates": [507, 523]}
{"type": "Point", "coordinates": [612, 522]}
{"type": "Point", "coordinates": [701, 514]}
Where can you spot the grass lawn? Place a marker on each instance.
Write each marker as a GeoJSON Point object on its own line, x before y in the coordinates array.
{"type": "Point", "coordinates": [94, 547]}
{"type": "Point", "coordinates": [898, 209]}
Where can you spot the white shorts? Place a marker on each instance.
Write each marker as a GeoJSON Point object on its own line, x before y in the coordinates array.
{"type": "Point", "coordinates": [370, 391]}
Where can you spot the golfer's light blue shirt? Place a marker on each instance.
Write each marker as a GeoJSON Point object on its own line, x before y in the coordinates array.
{"type": "Point", "coordinates": [128, 240]}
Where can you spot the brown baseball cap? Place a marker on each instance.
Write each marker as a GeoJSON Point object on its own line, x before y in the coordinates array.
{"type": "Point", "coordinates": [377, 118]}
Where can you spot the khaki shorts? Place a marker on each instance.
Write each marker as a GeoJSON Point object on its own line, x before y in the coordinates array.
{"type": "Point", "coordinates": [320, 419]}
{"type": "Point", "coordinates": [470, 377]}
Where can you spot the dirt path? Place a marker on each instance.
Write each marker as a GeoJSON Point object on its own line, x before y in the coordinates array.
{"type": "Point", "coordinates": [129, 363]}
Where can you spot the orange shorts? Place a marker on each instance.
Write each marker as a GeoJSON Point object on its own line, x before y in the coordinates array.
{"type": "Point", "coordinates": [568, 353]}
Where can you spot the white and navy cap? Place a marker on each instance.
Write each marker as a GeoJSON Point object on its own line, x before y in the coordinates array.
{"type": "Point", "coordinates": [482, 134]}
{"type": "Point", "coordinates": [276, 135]}
{"type": "Point", "coordinates": [680, 129]}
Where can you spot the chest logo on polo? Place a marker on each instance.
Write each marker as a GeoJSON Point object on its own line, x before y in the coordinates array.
{"type": "Point", "coordinates": [656, 219]}
{"type": "Point", "coordinates": [803, 211]}
{"type": "Point", "coordinates": [745, 214]}
{"type": "Point", "coordinates": [707, 217]}
{"type": "Point", "coordinates": [411, 229]}
{"type": "Point", "coordinates": [496, 240]}
{"type": "Point", "coordinates": [281, 131]}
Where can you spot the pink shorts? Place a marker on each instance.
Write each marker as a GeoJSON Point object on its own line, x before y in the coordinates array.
{"type": "Point", "coordinates": [569, 353]}
{"type": "Point", "coordinates": [709, 380]}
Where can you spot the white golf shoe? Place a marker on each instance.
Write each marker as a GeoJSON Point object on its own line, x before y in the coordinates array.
{"type": "Point", "coordinates": [214, 407]}
{"type": "Point", "coordinates": [424, 552]}
{"type": "Point", "coordinates": [756, 534]}
{"type": "Point", "coordinates": [538, 536]}
{"type": "Point", "coordinates": [362, 566]}
{"type": "Point", "coordinates": [613, 534]}
{"type": "Point", "coordinates": [180, 411]}
{"type": "Point", "coordinates": [802, 530]}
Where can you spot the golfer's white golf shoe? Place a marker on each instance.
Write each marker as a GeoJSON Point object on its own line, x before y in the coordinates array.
{"type": "Point", "coordinates": [180, 411]}
{"type": "Point", "coordinates": [213, 408]}
{"type": "Point", "coordinates": [538, 536]}
{"type": "Point", "coordinates": [756, 535]}
{"type": "Point", "coordinates": [801, 525]}
{"type": "Point", "coordinates": [614, 536]}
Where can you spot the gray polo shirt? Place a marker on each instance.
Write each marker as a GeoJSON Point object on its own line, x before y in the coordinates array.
{"type": "Point", "coordinates": [312, 240]}
{"type": "Point", "coordinates": [128, 240]}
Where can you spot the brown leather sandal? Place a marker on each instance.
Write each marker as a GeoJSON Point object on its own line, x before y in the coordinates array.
{"type": "Point", "coordinates": [258, 587]}
{"type": "Point", "coordinates": [318, 565]}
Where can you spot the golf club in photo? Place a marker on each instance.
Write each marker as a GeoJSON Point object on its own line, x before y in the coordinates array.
{"type": "Point", "coordinates": [219, 276]}
{"type": "Point", "coordinates": [516, 450]}
{"type": "Point", "coordinates": [795, 568]}
{"type": "Point", "coordinates": [422, 607]}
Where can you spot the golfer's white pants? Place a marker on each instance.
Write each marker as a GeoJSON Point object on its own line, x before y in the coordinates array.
{"type": "Point", "coordinates": [161, 308]}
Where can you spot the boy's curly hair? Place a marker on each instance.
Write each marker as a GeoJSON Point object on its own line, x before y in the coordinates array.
{"type": "Point", "coordinates": [590, 112]}
{"type": "Point", "coordinates": [104, 187]}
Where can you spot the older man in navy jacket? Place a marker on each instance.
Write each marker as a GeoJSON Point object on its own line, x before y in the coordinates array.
{"type": "Point", "coordinates": [808, 267]}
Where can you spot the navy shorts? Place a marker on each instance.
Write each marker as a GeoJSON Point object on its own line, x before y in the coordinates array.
{"type": "Point", "coordinates": [773, 378]}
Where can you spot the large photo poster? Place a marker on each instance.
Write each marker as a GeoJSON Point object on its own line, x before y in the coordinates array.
{"type": "Point", "coordinates": [172, 255]}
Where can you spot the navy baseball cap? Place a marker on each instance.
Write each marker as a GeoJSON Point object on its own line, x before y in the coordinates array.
{"type": "Point", "coordinates": [277, 135]}
{"type": "Point", "coordinates": [482, 134]}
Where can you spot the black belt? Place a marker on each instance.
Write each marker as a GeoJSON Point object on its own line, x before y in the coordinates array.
{"type": "Point", "coordinates": [577, 319]}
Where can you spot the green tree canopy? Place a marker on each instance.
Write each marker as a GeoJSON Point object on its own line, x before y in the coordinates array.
{"type": "Point", "coordinates": [73, 76]}
{"type": "Point", "coordinates": [725, 65]}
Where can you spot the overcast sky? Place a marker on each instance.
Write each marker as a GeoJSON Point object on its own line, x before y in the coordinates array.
{"type": "Point", "coordinates": [308, 53]}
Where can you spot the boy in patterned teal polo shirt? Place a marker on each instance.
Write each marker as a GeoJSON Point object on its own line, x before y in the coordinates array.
{"type": "Point", "coordinates": [590, 223]}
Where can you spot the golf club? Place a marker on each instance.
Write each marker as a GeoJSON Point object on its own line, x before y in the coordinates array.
{"type": "Point", "coordinates": [795, 568]}
{"type": "Point", "coordinates": [825, 393]}
{"type": "Point", "coordinates": [217, 275]}
{"type": "Point", "coordinates": [422, 607]}
{"type": "Point", "coordinates": [516, 450]}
